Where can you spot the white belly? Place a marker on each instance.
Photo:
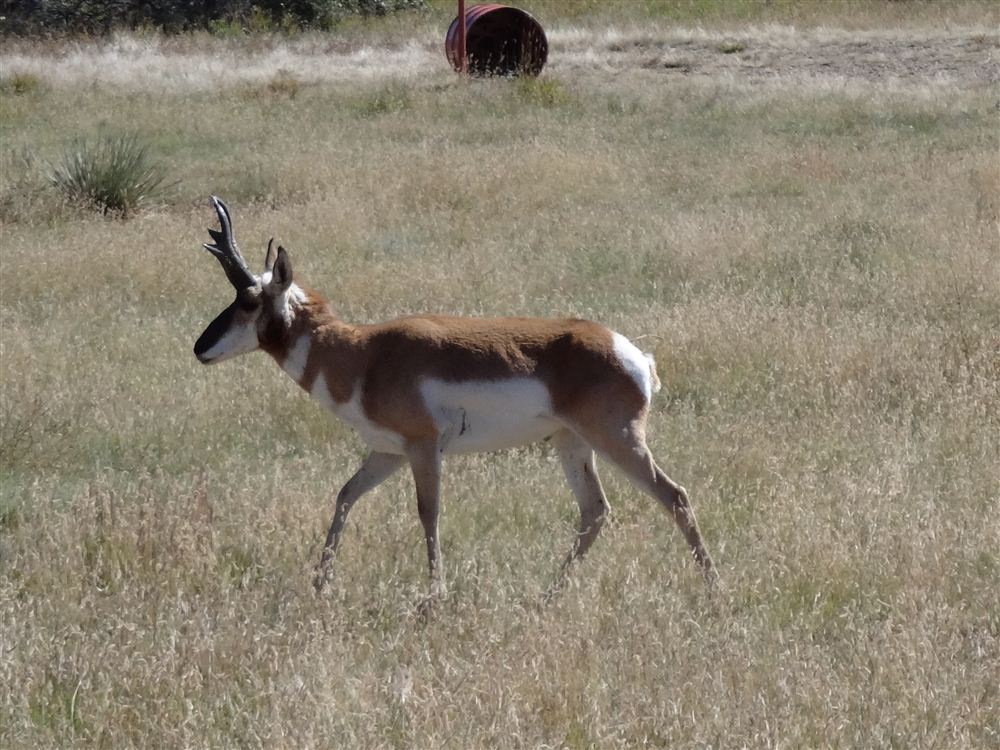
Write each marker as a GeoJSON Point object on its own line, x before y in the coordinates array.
{"type": "Point", "coordinates": [490, 414]}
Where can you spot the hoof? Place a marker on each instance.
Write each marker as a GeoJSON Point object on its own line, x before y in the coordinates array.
{"type": "Point", "coordinates": [712, 579]}
{"type": "Point", "coordinates": [321, 580]}
{"type": "Point", "coordinates": [429, 605]}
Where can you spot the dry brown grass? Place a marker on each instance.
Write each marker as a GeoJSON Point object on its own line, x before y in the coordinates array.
{"type": "Point", "coordinates": [815, 264]}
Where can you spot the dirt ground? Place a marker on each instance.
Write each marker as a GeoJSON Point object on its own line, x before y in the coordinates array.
{"type": "Point", "coordinates": [968, 59]}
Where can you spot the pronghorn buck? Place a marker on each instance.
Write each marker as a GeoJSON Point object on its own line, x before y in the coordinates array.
{"type": "Point", "coordinates": [424, 386]}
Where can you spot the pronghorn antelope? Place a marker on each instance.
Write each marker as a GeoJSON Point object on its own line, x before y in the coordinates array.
{"type": "Point", "coordinates": [423, 386]}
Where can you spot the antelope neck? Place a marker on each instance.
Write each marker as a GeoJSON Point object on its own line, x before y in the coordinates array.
{"type": "Point", "coordinates": [317, 343]}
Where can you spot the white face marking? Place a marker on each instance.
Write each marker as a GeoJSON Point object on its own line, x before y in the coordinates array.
{"type": "Point", "coordinates": [239, 339]}
{"type": "Point", "coordinates": [487, 415]}
{"type": "Point", "coordinates": [298, 356]}
{"type": "Point", "coordinates": [636, 364]}
{"type": "Point", "coordinates": [377, 438]}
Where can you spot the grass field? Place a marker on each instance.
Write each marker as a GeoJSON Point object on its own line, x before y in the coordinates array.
{"type": "Point", "coordinates": [801, 221]}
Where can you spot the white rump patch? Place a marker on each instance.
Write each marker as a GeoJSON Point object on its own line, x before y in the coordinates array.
{"type": "Point", "coordinates": [377, 438]}
{"type": "Point", "coordinates": [638, 365]}
{"type": "Point", "coordinates": [652, 372]}
{"type": "Point", "coordinates": [487, 415]}
{"type": "Point", "coordinates": [295, 362]}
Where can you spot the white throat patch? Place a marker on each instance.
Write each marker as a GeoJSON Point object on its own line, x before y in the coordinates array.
{"type": "Point", "coordinates": [298, 357]}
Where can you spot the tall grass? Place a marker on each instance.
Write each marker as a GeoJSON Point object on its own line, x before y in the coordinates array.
{"type": "Point", "coordinates": [814, 264]}
{"type": "Point", "coordinates": [115, 174]}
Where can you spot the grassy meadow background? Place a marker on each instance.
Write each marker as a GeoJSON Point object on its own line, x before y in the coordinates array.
{"type": "Point", "coordinates": [812, 255]}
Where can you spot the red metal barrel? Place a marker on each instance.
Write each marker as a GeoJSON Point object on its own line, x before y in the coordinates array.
{"type": "Point", "coordinates": [500, 40]}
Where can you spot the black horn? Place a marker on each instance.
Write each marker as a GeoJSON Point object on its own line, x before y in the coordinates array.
{"type": "Point", "coordinates": [225, 249]}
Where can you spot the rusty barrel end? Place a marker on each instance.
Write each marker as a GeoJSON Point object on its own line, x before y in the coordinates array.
{"type": "Point", "coordinates": [500, 40]}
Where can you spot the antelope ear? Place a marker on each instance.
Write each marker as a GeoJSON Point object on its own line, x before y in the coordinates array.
{"type": "Point", "coordinates": [281, 273]}
{"type": "Point", "coordinates": [270, 257]}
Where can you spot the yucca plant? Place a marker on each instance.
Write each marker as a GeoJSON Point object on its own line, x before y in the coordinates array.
{"type": "Point", "coordinates": [116, 174]}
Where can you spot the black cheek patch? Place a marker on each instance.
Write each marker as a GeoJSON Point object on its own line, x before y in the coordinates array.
{"type": "Point", "coordinates": [215, 331]}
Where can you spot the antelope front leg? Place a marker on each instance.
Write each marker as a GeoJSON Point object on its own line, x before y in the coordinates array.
{"type": "Point", "coordinates": [375, 469]}
{"type": "Point", "coordinates": [425, 461]}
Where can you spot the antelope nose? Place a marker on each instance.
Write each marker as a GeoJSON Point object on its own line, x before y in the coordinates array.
{"type": "Point", "coordinates": [199, 352]}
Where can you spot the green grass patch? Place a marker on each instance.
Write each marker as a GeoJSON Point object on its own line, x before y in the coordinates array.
{"type": "Point", "coordinates": [55, 705]}
{"type": "Point", "coordinates": [21, 84]}
{"type": "Point", "coordinates": [544, 92]}
{"type": "Point", "coordinates": [731, 47]}
{"type": "Point", "coordinates": [387, 99]}
{"type": "Point", "coordinates": [116, 175]}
